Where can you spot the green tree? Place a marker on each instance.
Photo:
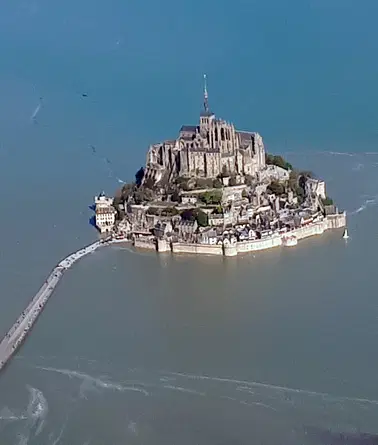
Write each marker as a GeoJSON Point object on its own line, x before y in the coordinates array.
{"type": "Point", "coordinates": [211, 197]}
{"type": "Point", "coordinates": [180, 179]}
{"type": "Point", "coordinates": [205, 198]}
{"type": "Point", "coordinates": [127, 190]}
{"type": "Point", "coordinates": [175, 197]}
{"type": "Point", "coordinates": [293, 180]}
{"type": "Point", "coordinates": [204, 183]}
{"type": "Point", "coordinates": [300, 193]}
{"type": "Point", "coordinates": [182, 183]}
{"type": "Point", "coordinates": [216, 197]}
{"type": "Point", "coordinates": [276, 187]}
{"type": "Point", "coordinates": [169, 211]}
{"type": "Point", "coordinates": [142, 195]}
{"type": "Point", "coordinates": [116, 202]}
{"type": "Point", "coordinates": [153, 211]}
{"type": "Point", "coordinates": [200, 183]}
{"type": "Point", "coordinates": [202, 218]}
{"type": "Point", "coordinates": [327, 201]}
{"type": "Point", "coordinates": [279, 161]}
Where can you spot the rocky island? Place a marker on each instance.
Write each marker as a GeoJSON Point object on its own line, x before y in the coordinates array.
{"type": "Point", "coordinates": [215, 190]}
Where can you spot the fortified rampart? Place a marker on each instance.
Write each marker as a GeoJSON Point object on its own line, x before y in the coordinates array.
{"type": "Point", "coordinates": [310, 230]}
{"type": "Point", "coordinates": [261, 244]}
{"type": "Point", "coordinates": [163, 245]}
{"type": "Point", "coordinates": [205, 249]}
{"type": "Point", "coordinates": [141, 243]}
{"type": "Point", "coordinates": [336, 221]}
{"type": "Point", "coordinates": [234, 248]}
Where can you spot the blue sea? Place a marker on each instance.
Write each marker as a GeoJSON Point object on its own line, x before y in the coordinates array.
{"type": "Point", "coordinates": [275, 348]}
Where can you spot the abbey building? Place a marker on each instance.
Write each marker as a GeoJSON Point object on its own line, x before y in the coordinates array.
{"type": "Point", "coordinates": [210, 149]}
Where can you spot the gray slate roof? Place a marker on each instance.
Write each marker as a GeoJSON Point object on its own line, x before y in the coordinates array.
{"type": "Point", "coordinates": [189, 128]}
{"type": "Point", "coordinates": [206, 113]}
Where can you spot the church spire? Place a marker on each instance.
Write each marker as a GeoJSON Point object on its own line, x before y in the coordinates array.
{"type": "Point", "coordinates": [205, 95]}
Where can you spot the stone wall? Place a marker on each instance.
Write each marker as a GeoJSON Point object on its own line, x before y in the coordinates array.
{"type": "Point", "coordinates": [140, 243]}
{"type": "Point", "coordinates": [204, 249]}
{"type": "Point", "coordinates": [331, 222]}
{"type": "Point", "coordinates": [230, 250]}
{"type": "Point", "coordinates": [261, 244]}
{"type": "Point", "coordinates": [233, 193]}
{"type": "Point", "coordinates": [310, 230]}
{"type": "Point", "coordinates": [336, 221]}
{"type": "Point", "coordinates": [163, 246]}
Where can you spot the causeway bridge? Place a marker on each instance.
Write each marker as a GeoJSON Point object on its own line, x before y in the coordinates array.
{"type": "Point", "coordinates": [24, 323]}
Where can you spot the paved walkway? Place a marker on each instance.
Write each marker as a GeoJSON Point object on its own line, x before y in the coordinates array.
{"type": "Point", "coordinates": [26, 320]}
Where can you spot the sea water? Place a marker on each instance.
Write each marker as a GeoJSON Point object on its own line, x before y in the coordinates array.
{"type": "Point", "coordinates": [273, 347]}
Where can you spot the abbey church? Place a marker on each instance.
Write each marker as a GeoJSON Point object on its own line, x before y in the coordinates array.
{"type": "Point", "coordinates": [207, 150]}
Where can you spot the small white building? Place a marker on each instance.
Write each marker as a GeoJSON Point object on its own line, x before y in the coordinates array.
{"type": "Point", "coordinates": [105, 213]}
{"type": "Point", "coordinates": [124, 227]}
{"type": "Point", "coordinates": [163, 228]}
{"type": "Point", "coordinates": [316, 186]}
{"type": "Point", "coordinates": [105, 219]}
{"type": "Point", "coordinates": [103, 201]}
{"type": "Point", "coordinates": [209, 236]}
{"type": "Point", "coordinates": [250, 212]}
{"type": "Point", "coordinates": [189, 198]}
{"type": "Point", "coordinates": [234, 193]}
{"type": "Point", "coordinates": [216, 219]}
{"type": "Point", "coordinates": [243, 218]}
{"type": "Point", "coordinates": [277, 173]}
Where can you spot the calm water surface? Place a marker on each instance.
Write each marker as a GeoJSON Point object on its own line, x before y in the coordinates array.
{"type": "Point", "coordinates": [139, 348]}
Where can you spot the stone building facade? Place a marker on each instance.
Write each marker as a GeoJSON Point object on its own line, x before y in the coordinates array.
{"type": "Point", "coordinates": [105, 213]}
{"type": "Point", "coordinates": [206, 150]}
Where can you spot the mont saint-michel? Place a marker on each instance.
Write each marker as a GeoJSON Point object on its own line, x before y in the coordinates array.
{"type": "Point", "coordinates": [215, 190]}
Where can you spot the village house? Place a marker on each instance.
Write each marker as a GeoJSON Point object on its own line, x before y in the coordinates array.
{"type": "Point", "coordinates": [186, 229]}
{"type": "Point", "coordinates": [232, 194]}
{"type": "Point", "coordinates": [216, 219]}
{"type": "Point", "coordinates": [242, 217]}
{"type": "Point", "coordinates": [276, 173]}
{"type": "Point", "coordinates": [315, 186]}
{"type": "Point", "coordinates": [105, 213]}
{"type": "Point", "coordinates": [105, 218]}
{"type": "Point", "coordinates": [189, 198]}
{"type": "Point", "coordinates": [162, 228]}
{"type": "Point", "coordinates": [209, 236]}
{"type": "Point", "coordinates": [124, 227]}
